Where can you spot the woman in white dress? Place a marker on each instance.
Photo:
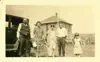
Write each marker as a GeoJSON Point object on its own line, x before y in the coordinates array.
{"type": "Point", "coordinates": [77, 45]}
{"type": "Point", "coordinates": [51, 41]}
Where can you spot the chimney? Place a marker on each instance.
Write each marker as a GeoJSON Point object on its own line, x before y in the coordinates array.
{"type": "Point", "coordinates": [56, 17]}
{"type": "Point", "coordinates": [56, 14]}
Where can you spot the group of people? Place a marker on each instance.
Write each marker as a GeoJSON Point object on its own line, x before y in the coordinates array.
{"type": "Point", "coordinates": [55, 39]}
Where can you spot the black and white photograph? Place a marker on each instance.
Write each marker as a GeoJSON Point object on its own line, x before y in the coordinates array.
{"type": "Point", "coordinates": [49, 31]}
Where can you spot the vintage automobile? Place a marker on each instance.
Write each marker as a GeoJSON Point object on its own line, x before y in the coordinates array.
{"type": "Point", "coordinates": [12, 43]}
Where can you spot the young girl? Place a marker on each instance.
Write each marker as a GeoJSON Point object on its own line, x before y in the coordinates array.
{"type": "Point", "coordinates": [51, 42]}
{"type": "Point", "coordinates": [77, 45]}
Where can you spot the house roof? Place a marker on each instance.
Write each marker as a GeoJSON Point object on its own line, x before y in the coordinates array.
{"type": "Point", "coordinates": [53, 19]}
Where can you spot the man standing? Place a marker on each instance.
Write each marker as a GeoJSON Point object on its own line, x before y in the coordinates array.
{"type": "Point", "coordinates": [24, 37]}
{"type": "Point", "coordinates": [38, 36]}
{"type": "Point", "coordinates": [61, 36]}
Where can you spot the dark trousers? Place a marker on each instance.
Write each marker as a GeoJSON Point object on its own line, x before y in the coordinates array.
{"type": "Point", "coordinates": [61, 45]}
{"type": "Point", "coordinates": [24, 48]}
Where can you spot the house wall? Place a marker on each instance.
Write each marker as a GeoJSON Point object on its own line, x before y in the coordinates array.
{"type": "Point", "coordinates": [67, 26]}
{"type": "Point", "coordinates": [69, 30]}
{"type": "Point", "coordinates": [44, 29]}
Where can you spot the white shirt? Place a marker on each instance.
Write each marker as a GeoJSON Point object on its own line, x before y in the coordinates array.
{"type": "Point", "coordinates": [19, 27]}
{"type": "Point", "coordinates": [61, 32]}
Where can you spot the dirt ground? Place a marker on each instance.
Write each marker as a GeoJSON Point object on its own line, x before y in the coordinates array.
{"type": "Point", "coordinates": [88, 51]}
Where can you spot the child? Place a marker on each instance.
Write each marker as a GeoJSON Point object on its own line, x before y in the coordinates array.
{"type": "Point", "coordinates": [77, 45]}
{"type": "Point", "coordinates": [51, 42]}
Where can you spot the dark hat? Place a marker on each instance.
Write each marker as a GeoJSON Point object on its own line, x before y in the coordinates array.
{"type": "Point", "coordinates": [76, 34]}
{"type": "Point", "coordinates": [37, 22]}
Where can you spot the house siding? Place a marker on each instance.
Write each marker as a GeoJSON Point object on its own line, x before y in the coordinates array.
{"type": "Point", "coordinates": [46, 27]}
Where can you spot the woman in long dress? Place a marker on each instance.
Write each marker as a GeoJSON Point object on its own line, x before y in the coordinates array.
{"type": "Point", "coordinates": [77, 45]}
{"type": "Point", "coordinates": [51, 42]}
{"type": "Point", "coordinates": [38, 37]}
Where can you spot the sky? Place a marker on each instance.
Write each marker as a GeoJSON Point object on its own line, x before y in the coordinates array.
{"type": "Point", "coordinates": [80, 16]}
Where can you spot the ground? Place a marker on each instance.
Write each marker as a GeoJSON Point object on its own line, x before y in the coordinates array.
{"type": "Point", "coordinates": [88, 51]}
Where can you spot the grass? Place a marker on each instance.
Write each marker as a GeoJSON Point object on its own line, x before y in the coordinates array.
{"type": "Point", "coordinates": [88, 51]}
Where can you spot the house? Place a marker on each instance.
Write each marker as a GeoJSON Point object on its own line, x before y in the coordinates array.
{"type": "Point", "coordinates": [53, 20]}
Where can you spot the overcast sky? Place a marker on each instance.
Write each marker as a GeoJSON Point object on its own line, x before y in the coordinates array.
{"type": "Point", "coordinates": [80, 16]}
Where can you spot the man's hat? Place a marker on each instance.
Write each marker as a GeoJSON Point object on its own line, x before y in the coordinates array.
{"type": "Point", "coordinates": [76, 34]}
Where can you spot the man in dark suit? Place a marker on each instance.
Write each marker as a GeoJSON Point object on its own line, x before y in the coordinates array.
{"type": "Point", "coordinates": [24, 36]}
